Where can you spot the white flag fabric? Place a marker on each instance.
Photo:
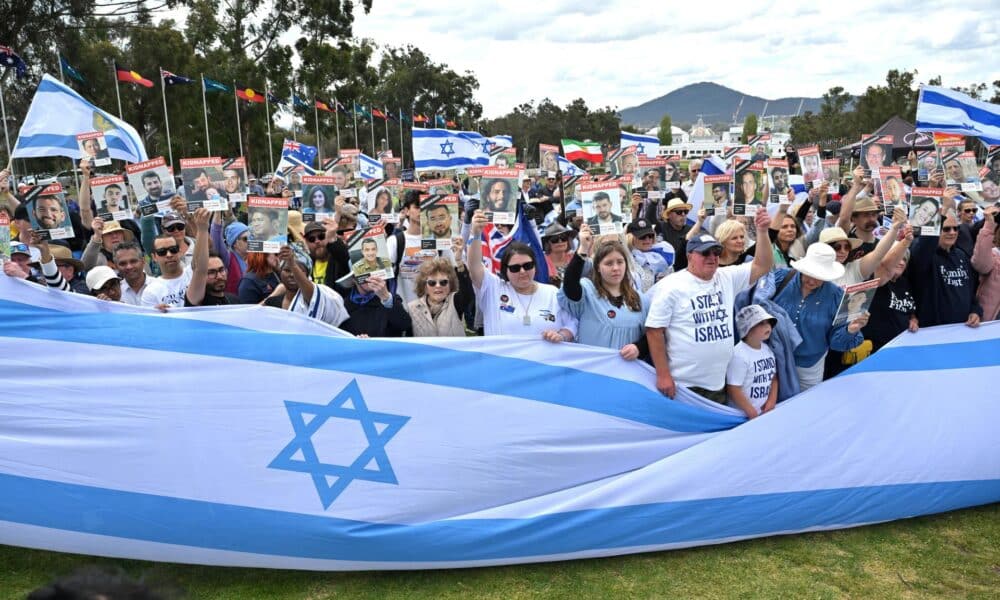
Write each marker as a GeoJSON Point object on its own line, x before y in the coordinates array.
{"type": "Point", "coordinates": [646, 145]}
{"type": "Point", "coordinates": [446, 149]}
{"type": "Point", "coordinates": [58, 113]}
{"type": "Point", "coordinates": [370, 168]}
{"type": "Point", "coordinates": [255, 437]}
{"type": "Point", "coordinates": [946, 111]}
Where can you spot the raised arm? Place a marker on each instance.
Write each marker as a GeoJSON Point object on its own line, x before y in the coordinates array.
{"type": "Point", "coordinates": [86, 213]}
{"type": "Point", "coordinates": [199, 261]}
{"type": "Point", "coordinates": [763, 259]}
{"type": "Point", "coordinates": [982, 254]}
{"type": "Point", "coordinates": [847, 202]}
{"type": "Point", "coordinates": [870, 262]}
{"type": "Point", "coordinates": [306, 287]}
{"type": "Point", "coordinates": [474, 258]}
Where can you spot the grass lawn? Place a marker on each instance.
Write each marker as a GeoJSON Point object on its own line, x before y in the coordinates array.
{"type": "Point", "coordinates": [950, 555]}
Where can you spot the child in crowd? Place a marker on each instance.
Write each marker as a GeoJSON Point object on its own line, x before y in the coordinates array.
{"type": "Point", "coordinates": [751, 378]}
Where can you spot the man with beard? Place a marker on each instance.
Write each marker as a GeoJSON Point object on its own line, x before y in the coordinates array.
{"type": "Point", "coordinates": [153, 186]}
{"type": "Point", "coordinates": [779, 176]}
{"type": "Point", "coordinates": [175, 277]}
{"type": "Point", "coordinates": [49, 212]}
{"type": "Point", "coordinates": [208, 272]}
{"type": "Point", "coordinates": [140, 289]}
{"type": "Point", "coordinates": [859, 217]}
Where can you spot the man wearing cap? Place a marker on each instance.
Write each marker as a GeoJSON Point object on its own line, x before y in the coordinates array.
{"type": "Point", "coordinates": [674, 229]}
{"type": "Point", "coordinates": [175, 225]}
{"type": "Point", "coordinates": [140, 289]}
{"type": "Point", "coordinates": [22, 256]}
{"type": "Point", "coordinates": [655, 260]}
{"type": "Point", "coordinates": [104, 283]}
{"type": "Point", "coordinates": [859, 217]}
{"type": "Point", "coordinates": [689, 326]}
{"type": "Point", "coordinates": [20, 262]}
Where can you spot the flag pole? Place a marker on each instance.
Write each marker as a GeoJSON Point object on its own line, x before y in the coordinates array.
{"type": "Point", "coordinates": [371, 123]}
{"type": "Point", "coordinates": [267, 113]}
{"type": "Point", "coordinates": [354, 111]}
{"type": "Point", "coordinates": [204, 105]}
{"type": "Point", "coordinates": [336, 121]}
{"type": "Point", "coordinates": [385, 111]}
{"type": "Point", "coordinates": [62, 79]}
{"type": "Point", "coordinates": [166, 117]}
{"type": "Point", "coordinates": [239, 126]}
{"type": "Point", "coordinates": [6, 135]}
{"type": "Point", "coordinates": [118, 94]}
{"type": "Point", "coordinates": [402, 153]}
{"type": "Point", "coordinates": [319, 146]}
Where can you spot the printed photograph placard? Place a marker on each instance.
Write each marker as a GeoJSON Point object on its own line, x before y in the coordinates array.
{"type": "Point", "coordinates": [876, 152]}
{"type": "Point", "coordinates": [438, 221]}
{"type": "Point", "coordinates": [777, 179]}
{"type": "Point", "coordinates": [94, 145]}
{"type": "Point", "coordinates": [503, 157]}
{"type": "Point", "coordinates": [672, 173]}
{"type": "Point", "coordinates": [382, 200]}
{"type": "Point", "coordinates": [624, 162]}
{"type": "Point", "coordinates": [749, 195]}
{"type": "Point", "coordinates": [111, 198]}
{"type": "Point", "coordinates": [152, 185]}
{"type": "Point", "coordinates": [318, 193]}
{"type": "Point", "coordinates": [498, 195]}
{"type": "Point", "coordinates": [855, 302]}
{"type": "Point", "coordinates": [890, 184]}
{"type": "Point", "coordinates": [47, 211]}
{"type": "Point", "coordinates": [812, 167]}
{"type": "Point", "coordinates": [925, 210]}
{"type": "Point", "coordinates": [234, 177]}
{"type": "Point", "coordinates": [716, 196]}
{"type": "Point", "coordinates": [960, 171]}
{"type": "Point", "coordinates": [927, 161]}
{"type": "Point", "coordinates": [204, 183]}
{"type": "Point", "coordinates": [831, 174]}
{"type": "Point", "coordinates": [653, 171]}
{"type": "Point", "coordinates": [547, 154]}
{"type": "Point", "coordinates": [602, 206]}
{"type": "Point", "coordinates": [268, 222]}
{"type": "Point", "coordinates": [392, 168]}
{"type": "Point", "coordinates": [441, 186]}
{"type": "Point", "coordinates": [759, 146]}
{"type": "Point", "coordinates": [4, 237]}
{"type": "Point", "coordinates": [369, 254]}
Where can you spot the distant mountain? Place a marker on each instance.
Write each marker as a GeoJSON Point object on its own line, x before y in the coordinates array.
{"type": "Point", "coordinates": [716, 103]}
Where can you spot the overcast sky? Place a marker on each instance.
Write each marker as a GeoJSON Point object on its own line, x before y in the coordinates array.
{"type": "Point", "coordinates": [622, 53]}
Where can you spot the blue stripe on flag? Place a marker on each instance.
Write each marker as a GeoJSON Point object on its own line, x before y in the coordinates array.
{"type": "Point", "coordinates": [200, 524]}
{"type": "Point", "coordinates": [979, 115]}
{"type": "Point", "coordinates": [451, 163]}
{"type": "Point", "coordinates": [932, 357]}
{"type": "Point", "coordinates": [69, 143]}
{"type": "Point", "coordinates": [428, 364]}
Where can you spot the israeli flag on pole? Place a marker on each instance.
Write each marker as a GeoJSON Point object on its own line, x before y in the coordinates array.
{"type": "Point", "coordinates": [322, 451]}
{"type": "Point", "coordinates": [568, 169]}
{"type": "Point", "coordinates": [446, 149]}
{"type": "Point", "coordinates": [370, 168]}
{"type": "Point", "coordinates": [646, 145]}
{"type": "Point", "coordinates": [58, 113]}
{"type": "Point", "coordinates": [947, 111]}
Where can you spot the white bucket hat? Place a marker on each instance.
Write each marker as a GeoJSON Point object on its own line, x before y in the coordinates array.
{"type": "Point", "coordinates": [749, 316]}
{"type": "Point", "coordinates": [820, 263]}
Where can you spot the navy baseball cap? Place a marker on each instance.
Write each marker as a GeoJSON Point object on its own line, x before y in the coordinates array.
{"type": "Point", "coordinates": [702, 242]}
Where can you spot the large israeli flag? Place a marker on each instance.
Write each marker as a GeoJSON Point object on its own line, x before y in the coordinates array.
{"type": "Point", "coordinates": [646, 145]}
{"type": "Point", "coordinates": [947, 111]}
{"type": "Point", "coordinates": [370, 167]}
{"type": "Point", "coordinates": [446, 149]}
{"type": "Point", "coordinates": [57, 114]}
{"type": "Point", "coordinates": [568, 168]}
{"type": "Point", "coordinates": [255, 437]}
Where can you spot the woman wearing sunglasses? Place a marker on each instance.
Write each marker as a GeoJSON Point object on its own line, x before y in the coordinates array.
{"type": "Point", "coordinates": [557, 241]}
{"type": "Point", "coordinates": [611, 312]}
{"type": "Point", "coordinates": [513, 303]}
{"type": "Point", "coordinates": [443, 294]}
{"type": "Point", "coordinates": [652, 262]}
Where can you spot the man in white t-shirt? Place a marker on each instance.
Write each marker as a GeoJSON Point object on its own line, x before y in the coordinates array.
{"type": "Point", "coordinates": [690, 321]}
{"type": "Point", "coordinates": [175, 278]}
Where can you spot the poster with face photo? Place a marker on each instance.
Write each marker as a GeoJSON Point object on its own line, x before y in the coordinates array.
{"type": "Point", "coordinates": [625, 193]}
{"type": "Point", "coordinates": [876, 152]}
{"type": "Point", "coordinates": [111, 198]}
{"type": "Point", "coordinates": [4, 237]}
{"type": "Point", "coordinates": [672, 173]}
{"type": "Point", "coordinates": [152, 185]}
{"type": "Point", "coordinates": [624, 162]}
{"type": "Point", "coordinates": [381, 196]}
{"type": "Point", "coordinates": [94, 145]}
{"type": "Point", "coordinates": [925, 210]}
{"type": "Point", "coordinates": [891, 188]}
{"type": "Point", "coordinates": [204, 184]}
{"type": "Point", "coordinates": [369, 254]}
{"type": "Point", "coordinates": [440, 186]}
{"type": "Point", "coordinates": [268, 222]}
{"type": "Point", "coordinates": [498, 195]}
{"type": "Point", "coordinates": [749, 195]}
{"type": "Point", "coordinates": [652, 173]}
{"type": "Point", "coordinates": [234, 179]}
{"type": "Point", "coordinates": [716, 196]}
{"type": "Point", "coordinates": [392, 168]}
{"type": "Point", "coordinates": [777, 178]}
{"type": "Point", "coordinates": [760, 147]}
{"type": "Point", "coordinates": [438, 221]}
{"type": "Point", "coordinates": [991, 169]}
{"type": "Point", "coordinates": [602, 206]}
{"type": "Point", "coordinates": [47, 211]}
{"type": "Point", "coordinates": [831, 174]}
{"type": "Point", "coordinates": [318, 193]}
{"type": "Point", "coordinates": [812, 168]}
{"type": "Point", "coordinates": [547, 159]}
{"type": "Point", "coordinates": [505, 158]}
{"type": "Point", "coordinates": [927, 162]}
{"type": "Point", "coordinates": [855, 302]}
{"type": "Point", "coordinates": [961, 172]}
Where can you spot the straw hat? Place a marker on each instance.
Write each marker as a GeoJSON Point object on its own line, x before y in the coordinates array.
{"type": "Point", "coordinates": [836, 234]}
{"type": "Point", "coordinates": [820, 263]}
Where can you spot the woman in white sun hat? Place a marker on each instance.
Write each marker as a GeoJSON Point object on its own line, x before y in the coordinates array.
{"type": "Point", "coordinates": [809, 296]}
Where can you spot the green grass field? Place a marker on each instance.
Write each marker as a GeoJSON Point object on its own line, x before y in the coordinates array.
{"type": "Point", "coordinates": [950, 555]}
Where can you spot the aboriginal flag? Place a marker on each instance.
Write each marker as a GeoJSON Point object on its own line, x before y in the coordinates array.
{"type": "Point", "coordinates": [130, 76]}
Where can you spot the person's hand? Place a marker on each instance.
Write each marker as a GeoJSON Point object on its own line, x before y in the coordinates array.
{"type": "Point", "coordinates": [4, 181]}
{"type": "Point", "coordinates": [97, 226]}
{"type": "Point", "coordinates": [935, 178]}
{"type": "Point", "coordinates": [762, 221]}
{"type": "Point", "coordinates": [990, 211]}
{"type": "Point", "coordinates": [898, 216]}
{"type": "Point", "coordinates": [179, 206]}
{"type": "Point", "coordinates": [948, 200]}
{"type": "Point", "coordinates": [457, 247]}
{"type": "Point", "coordinates": [330, 227]}
{"type": "Point", "coordinates": [768, 406]}
{"type": "Point", "coordinates": [751, 412]}
{"type": "Point", "coordinates": [636, 198]}
{"type": "Point", "coordinates": [338, 203]}
{"type": "Point", "coordinates": [85, 168]}
{"type": "Point", "coordinates": [287, 193]}
{"type": "Point", "coordinates": [478, 222]}
{"type": "Point", "coordinates": [285, 253]}
{"type": "Point", "coordinates": [103, 296]}
{"type": "Point", "coordinates": [586, 239]}
{"type": "Point", "coordinates": [362, 336]}
{"type": "Point", "coordinates": [790, 195]}
{"type": "Point", "coordinates": [858, 324]}
{"type": "Point", "coordinates": [814, 194]}
{"type": "Point", "coordinates": [665, 383]}
{"type": "Point", "coordinates": [12, 269]}
{"type": "Point", "coordinates": [163, 308]}
{"type": "Point", "coordinates": [629, 352]}
{"type": "Point", "coordinates": [201, 216]}
{"type": "Point", "coordinates": [376, 284]}
{"type": "Point", "coordinates": [911, 156]}
{"type": "Point", "coordinates": [973, 320]}
{"type": "Point", "coordinates": [552, 335]}
{"type": "Point", "coordinates": [824, 190]}
{"type": "Point", "coordinates": [859, 178]}
{"type": "Point", "coordinates": [701, 214]}
{"type": "Point", "coordinates": [914, 325]}
{"type": "Point", "coordinates": [905, 233]}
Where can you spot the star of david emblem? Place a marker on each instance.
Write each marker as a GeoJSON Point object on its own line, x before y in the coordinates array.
{"type": "Point", "coordinates": [447, 149]}
{"type": "Point", "coordinates": [487, 146]}
{"type": "Point", "coordinates": [371, 170]}
{"type": "Point", "coordinates": [640, 149]}
{"type": "Point", "coordinates": [331, 480]}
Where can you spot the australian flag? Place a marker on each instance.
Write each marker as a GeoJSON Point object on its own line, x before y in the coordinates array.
{"type": "Point", "coordinates": [170, 79]}
{"type": "Point", "coordinates": [10, 60]}
{"type": "Point", "coordinates": [296, 154]}
{"type": "Point", "coordinates": [299, 102]}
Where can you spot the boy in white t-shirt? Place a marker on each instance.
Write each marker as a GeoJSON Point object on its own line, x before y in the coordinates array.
{"type": "Point", "coordinates": [752, 375]}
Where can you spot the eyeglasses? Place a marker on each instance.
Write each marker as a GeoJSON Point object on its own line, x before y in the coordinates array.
{"type": "Point", "coordinates": [216, 272]}
{"type": "Point", "coordinates": [968, 210]}
{"type": "Point", "coordinates": [679, 211]}
{"type": "Point", "coordinates": [841, 245]}
{"type": "Point", "coordinates": [438, 282]}
{"type": "Point", "coordinates": [175, 227]}
{"type": "Point", "coordinates": [528, 266]}
{"type": "Point", "coordinates": [165, 251]}
{"type": "Point", "coordinates": [715, 251]}
{"type": "Point", "coordinates": [312, 239]}
{"type": "Point", "coordinates": [949, 229]}
{"type": "Point", "coordinates": [693, 170]}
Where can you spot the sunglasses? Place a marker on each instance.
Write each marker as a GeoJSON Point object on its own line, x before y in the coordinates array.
{"type": "Point", "coordinates": [949, 229]}
{"type": "Point", "coordinates": [648, 236]}
{"type": "Point", "coordinates": [528, 266]}
{"type": "Point", "coordinates": [841, 246]}
{"type": "Point", "coordinates": [166, 251]}
{"type": "Point", "coordinates": [175, 227]}
{"type": "Point", "coordinates": [711, 252]}
{"type": "Point", "coordinates": [679, 211]}
{"type": "Point", "coordinates": [968, 210]}
{"type": "Point", "coordinates": [312, 239]}
{"type": "Point", "coordinates": [438, 282]}
{"type": "Point", "coordinates": [557, 239]}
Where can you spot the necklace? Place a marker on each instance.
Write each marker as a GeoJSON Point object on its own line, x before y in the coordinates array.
{"type": "Point", "coordinates": [527, 316]}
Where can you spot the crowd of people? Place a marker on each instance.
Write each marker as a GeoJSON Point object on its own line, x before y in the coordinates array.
{"type": "Point", "coordinates": [740, 310]}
